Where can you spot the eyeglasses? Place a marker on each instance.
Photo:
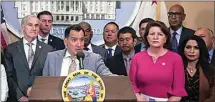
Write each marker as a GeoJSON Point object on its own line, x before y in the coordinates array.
{"type": "Point", "coordinates": [176, 14]}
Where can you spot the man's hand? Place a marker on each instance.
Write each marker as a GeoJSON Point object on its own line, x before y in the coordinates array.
{"type": "Point", "coordinates": [29, 91]}
{"type": "Point", "coordinates": [23, 99]}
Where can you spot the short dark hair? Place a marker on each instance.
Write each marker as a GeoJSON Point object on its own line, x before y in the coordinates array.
{"type": "Point", "coordinates": [203, 60]}
{"type": "Point", "coordinates": [127, 30]}
{"type": "Point", "coordinates": [117, 26]}
{"type": "Point", "coordinates": [44, 13]}
{"type": "Point", "coordinates": [145, 20]}
{"type": "Point", "coordinates": [163, 28]}
{"type": "Point", "coordinates": [75, 27]}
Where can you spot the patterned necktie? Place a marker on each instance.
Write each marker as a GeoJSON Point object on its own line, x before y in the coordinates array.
{"type": "Point", "coordinates": [30, 55]}
{"type": "Point", "coordinates": [127, 64]}
{"type": "Point", "coordinates": [109, 52]}
{"type": "Point", "coordinates": [72, 67]}
{"type": "Point", "coordinates": [174, 42]}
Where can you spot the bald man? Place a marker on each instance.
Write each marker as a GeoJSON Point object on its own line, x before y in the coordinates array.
{"type": "Point", "coordinates": [176, 16]}
{"type": "Point", "coordinates": [88, 34]}
{"type": "Point", "coordinates": [207, 35]}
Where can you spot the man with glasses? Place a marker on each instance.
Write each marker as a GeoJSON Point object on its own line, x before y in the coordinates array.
{"type": "Point", "coordinates": [120, 63]}
{"type": "Point", "coordinates": [176, 17]}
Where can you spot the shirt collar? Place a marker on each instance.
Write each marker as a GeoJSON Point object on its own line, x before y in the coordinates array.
{"type": "Point", "coordinates": [67, 54]}
{"type": "Point", "coordinates": [211, 52]}
{"type": "Point", "coordinates": [40, 37]}
{"type": "Point", "coordinates": [89, 47]}
{"type": "Point", "coordinates": [178, 31]}
{"type": "Point", "coordinates": [128, 56]}
{"type": "Point", "coordinates": [25, 41]}
{"type": "Point", "coordinates": [113, 47]}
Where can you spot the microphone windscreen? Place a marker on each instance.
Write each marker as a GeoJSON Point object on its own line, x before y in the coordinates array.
{"type": "Point", "coordinates": [80, 55]}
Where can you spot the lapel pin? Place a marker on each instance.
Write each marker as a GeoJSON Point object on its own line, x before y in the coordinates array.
{"type": "Point", "coordinates": [51, 40]}
{"type": "Point", "coordinates": [163, 64]}
{"type": "Point", "coordinates": [40, 47]}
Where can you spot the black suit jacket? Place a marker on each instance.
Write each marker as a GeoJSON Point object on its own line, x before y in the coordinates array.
{"type": "Point", "coordinates": [99, 50]}
{"type": "Point", "coordinates": [56, 43]}
{"type": "Point", "coordinates": [116, 64]}
{"type": "Point", "coordinates": [186, 32]}
{"type": "Point", "coordinates": [19, 75]}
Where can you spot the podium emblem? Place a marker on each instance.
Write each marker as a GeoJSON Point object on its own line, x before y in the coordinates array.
{"type": "Point", "coordinates": [83, 85]}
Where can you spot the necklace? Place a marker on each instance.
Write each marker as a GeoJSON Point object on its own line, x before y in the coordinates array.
{"type": "Point", "coordinates": [192, 70]}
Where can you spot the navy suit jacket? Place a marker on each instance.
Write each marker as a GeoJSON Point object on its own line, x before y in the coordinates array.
{"type": "Point", "coordinates": [56, 43]}
{"type": "Point", "coordinates": [19, 75]}
{"type": "Point", "coordinates": [186, 32]}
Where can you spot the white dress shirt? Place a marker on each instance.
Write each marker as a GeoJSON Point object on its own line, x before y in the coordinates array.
{"type": "Point", "coordinates": [113, 49]}
{"type": "Point", "coordinates": [178, 33]}
{"type": "Point", "coordinates": [66, 64]}
{"type": "Point", "coordinates": [90, 48]}
{"type": "Point", "coordinates": [26, 47]}
{"type": "Point", "coordinates": [40, 38]}
{"type": "Point", "coordinates": [4, 85]}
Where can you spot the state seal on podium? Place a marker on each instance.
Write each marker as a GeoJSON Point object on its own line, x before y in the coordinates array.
{"type": "Point", "coordinates": [83, 85]}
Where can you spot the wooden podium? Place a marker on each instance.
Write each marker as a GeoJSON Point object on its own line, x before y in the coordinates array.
{"type": "Point", "coordinates": [48, 89]}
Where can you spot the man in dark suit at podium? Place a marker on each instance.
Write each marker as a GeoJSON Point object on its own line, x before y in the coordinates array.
{"type": "Point", "coordinates": [46, 20]}
{"type": "Point", "coordinates": [88, 46]}
{"type": "Point", "coordinates": [120, 63]}
{"type": "Point", "coordinates": [176, 17]}
{"type": "Point", "coordinates": [24, 60]}
{"type": "Point", "coordinates": [63, 62]}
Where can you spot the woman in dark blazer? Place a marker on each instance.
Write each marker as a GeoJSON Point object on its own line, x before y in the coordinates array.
{"type": "Point", "coordinates": [199, 74]}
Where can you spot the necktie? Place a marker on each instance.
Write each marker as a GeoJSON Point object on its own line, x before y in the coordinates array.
{"type": "Point", "coordinates": [109, 52]}
{"type": "Point", "coordinates": [43, 40]}
{"type": "Point", "coordinates": [127, 64]}
{"type": "Point", "coordinates": [72, 67]}
{"type": "Point", "coordinates": [174, 42]}
{"type": "Point", "coordinates": [30, 55]}
{"type": "Point", "coordinates": [86, 49]}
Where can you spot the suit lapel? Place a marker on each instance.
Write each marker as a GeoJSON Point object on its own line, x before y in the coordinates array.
{"type": "Point", "coordinates": [122, 67]}
{"type": "Point", "coordinates": [20, 48]}
{"type": "Point", "coordinates": [39, 48]}
{"type": "Point", "coordinates": [117, 50]}
{"type": "Point", "coordinates": [58, 62]}
{"type": "Point", "coordinates": [86, 59]}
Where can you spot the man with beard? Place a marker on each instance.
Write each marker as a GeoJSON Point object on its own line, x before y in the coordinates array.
{"type": "Point", "coordinates": [46, 20]}
{"type": "Point", "coordinates": [176, 17]}
{"type": "Point", "coordinates": [120, 63]}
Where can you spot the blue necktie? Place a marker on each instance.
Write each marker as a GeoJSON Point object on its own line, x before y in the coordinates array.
{"type": "Point", "coordinates": [109, 52]}
{"type": "Point", "coordinates": [86, 49]}
{"type": "Point", "coordinates": [174, 42]}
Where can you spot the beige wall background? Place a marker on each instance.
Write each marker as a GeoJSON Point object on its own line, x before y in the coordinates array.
{"type": "Point", "coordinates": [198, 14]}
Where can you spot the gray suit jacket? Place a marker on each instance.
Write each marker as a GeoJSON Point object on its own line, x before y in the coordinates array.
{"type": "Point", "coordinates": [20, 76]}
{"type": "Point", "coordinates": [92, 61]}
{"type": "Point", "coordinates": [100, 50]}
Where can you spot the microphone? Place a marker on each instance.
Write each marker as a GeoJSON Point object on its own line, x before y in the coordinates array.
{"type": "Point", "coordinates": [80, 56]}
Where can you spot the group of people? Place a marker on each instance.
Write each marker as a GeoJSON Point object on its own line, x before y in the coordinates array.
{"type": "Point", "coordinates": [170, 64]}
